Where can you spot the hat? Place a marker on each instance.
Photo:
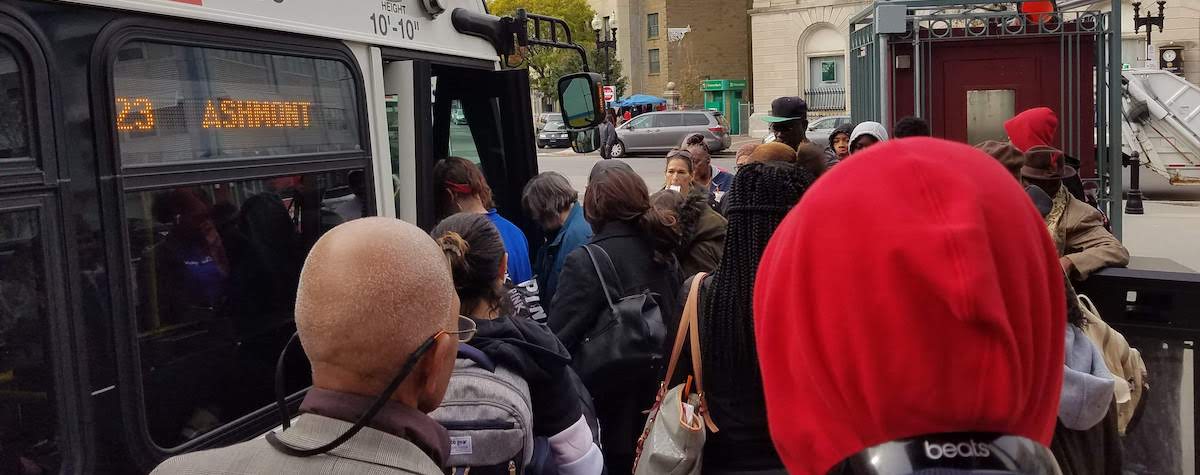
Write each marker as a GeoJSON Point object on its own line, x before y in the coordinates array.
{"type": "Point", "coordinates": [1046, 163]}
{"type": "Point", "coordinates": [773, 152]}
{"type": "Point", "coordinates": [962, 330]}
{"type": "Point", "coordinates": [784, 109]}
{"type": "Point", "coordinates": [1007, 154]}
{"type": "Point", "coordinates": [1031, 128]}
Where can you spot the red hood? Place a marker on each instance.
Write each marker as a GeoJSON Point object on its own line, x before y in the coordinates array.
{"type": "Point", "coordinates": [913, 290]}
{"type": "Point", "coordinates": [1033, 127]}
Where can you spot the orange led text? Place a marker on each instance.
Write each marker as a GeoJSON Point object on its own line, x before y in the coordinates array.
{"type": "Point", "coordinates": [251, 114]}
{"type": "Point", "coordinates": [135, 114]}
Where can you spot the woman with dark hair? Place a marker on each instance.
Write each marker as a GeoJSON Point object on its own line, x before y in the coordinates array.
{"type": "Point", "coordinates": [639, 241]}
{"type": "Point", "coordinates": [761, 196]}
{"type": "Point", "coordinates": [478, 262]}
{"type": "Point", "coordinates": [463, 189]}
{"type": "Point", "coordinates": [702, 230]}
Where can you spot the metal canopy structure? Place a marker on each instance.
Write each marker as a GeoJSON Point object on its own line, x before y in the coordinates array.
{"type": "Point", "coordinates": [891, 35]}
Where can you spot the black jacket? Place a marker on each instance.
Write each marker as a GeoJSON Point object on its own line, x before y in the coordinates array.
{"type": "Point", "coordinates": [579, 299]}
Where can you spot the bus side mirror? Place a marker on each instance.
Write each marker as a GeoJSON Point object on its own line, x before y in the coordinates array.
{"type": "Point", "coordinates": [580, 101]}
{"type": "Point", "coordinates": [585, 141]}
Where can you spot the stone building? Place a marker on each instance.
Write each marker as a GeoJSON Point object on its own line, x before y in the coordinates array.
{"type": "Point", "coordinates": [1181, 29]}
{"type": "Point", "coordinates": [716, 44]}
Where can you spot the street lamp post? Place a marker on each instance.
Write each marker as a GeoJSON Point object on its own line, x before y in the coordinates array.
{"type": "Point", "coordinates": [606, 41]}
{"type": "Point", "coordinates": [1134, 204]}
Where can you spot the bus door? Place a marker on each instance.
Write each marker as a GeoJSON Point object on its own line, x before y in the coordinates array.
{"type": "Point", "coordinates": [445, 110]}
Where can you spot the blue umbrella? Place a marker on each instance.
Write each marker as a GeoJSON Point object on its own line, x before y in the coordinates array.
{"type": "Point", "coordinates": [640, 100]}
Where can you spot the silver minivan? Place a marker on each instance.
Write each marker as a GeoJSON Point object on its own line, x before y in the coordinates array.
{"type": "Point", "coordinates": [663, 131]}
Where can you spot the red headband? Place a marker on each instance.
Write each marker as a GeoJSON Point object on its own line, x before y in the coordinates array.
{"type": "Point", "coordinates": [460, 188]}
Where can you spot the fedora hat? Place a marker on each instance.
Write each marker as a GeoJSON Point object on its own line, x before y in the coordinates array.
{"type": "Point", "coordinates": [1046, 163]}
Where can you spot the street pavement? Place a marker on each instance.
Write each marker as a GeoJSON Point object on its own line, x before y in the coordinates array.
{"type": "Point", "coordinates": [1170, 228]}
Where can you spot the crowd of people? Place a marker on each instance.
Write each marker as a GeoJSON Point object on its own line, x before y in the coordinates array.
{"type": "Point", "coordinates": [880, 304]}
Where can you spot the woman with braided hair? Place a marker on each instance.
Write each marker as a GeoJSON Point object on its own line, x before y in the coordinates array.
{"type": "Point", "coordinates": [475, 252]}
{"type": "Point", "coordinates": [761, 196]}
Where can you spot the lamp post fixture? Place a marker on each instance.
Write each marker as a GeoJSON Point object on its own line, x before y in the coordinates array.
{"type": "Point", "coordinates": [606, 40]}
{"type": "Point", "coordinates": [1134, 204]}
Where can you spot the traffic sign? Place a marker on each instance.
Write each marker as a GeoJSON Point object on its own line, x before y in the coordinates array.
{"type": "Point", "coordinates": [610, 93]}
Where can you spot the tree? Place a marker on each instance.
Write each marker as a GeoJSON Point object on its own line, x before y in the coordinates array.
{"type": "Point", "coordinates": [546, 65]}
{"type": "Point", "coordinates": [598, 65]}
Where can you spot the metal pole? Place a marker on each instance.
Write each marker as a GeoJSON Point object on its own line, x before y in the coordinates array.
{"type": "Point", "coordinates": [1114, 119]}
{"type": "Point", "coordinates": [916, 68]}
{"type": "Point", "coordinates": [882, 58]}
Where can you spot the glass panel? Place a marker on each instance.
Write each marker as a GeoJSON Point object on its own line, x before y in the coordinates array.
{"type": "Point", "coordinates": [27, 414]}
{"type": "Point", "coordinates": [986, 112]}
{"type": "Point", "coordinates": [462, 142]}
{"type": "Point", "coordinates": [667, 120]}
{"type": "Point", "coordinates": [640, 121]}
{"type": "Point", "coordinates": [695, 119]}
{"type": "Point", "coordinates": [14, 126]}
{"type": "Point", "coordinates": [652, 25]}
{"type": "Point", "coordinates": [180, 104]}
{"type": "Point", "coordinates": [655, 66]}
{"type": "Point", "coordinates": [392, 108]}
{"type": "Point", "coordinates": [216, 268]}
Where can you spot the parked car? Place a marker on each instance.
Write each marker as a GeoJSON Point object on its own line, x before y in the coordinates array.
{"type": "Point", "coordinates": [554, 134]}
{"type": "Point", "coordinates": [662, 131]}
{"type": "Point", "coordinates": [457, 117]}
{"type": "Point", "coordinates": [818, 130]}
{"type": "Point", "coordinates": [546, 117]}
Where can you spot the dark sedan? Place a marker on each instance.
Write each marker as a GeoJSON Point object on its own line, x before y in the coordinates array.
{"type": "Point", "coordinates": [554, 134]}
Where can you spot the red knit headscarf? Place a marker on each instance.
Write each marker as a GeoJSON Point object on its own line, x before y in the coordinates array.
{"type": "Point", "coordinates": [1031, 128]}
{"type": "Point", "coordinates": [914, 290]}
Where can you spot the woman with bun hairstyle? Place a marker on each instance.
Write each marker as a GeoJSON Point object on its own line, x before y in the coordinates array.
{"type": "Point", "coordinates": [478, 262]}
{"type": "Point", "coordinates": [639, 240]}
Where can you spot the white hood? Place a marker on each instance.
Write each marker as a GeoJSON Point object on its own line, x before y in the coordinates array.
{"type": "Point", "coordinates": [874, 129]}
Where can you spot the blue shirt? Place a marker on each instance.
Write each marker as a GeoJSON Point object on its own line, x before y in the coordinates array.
{"type": "Point", "coordinates": [515, 245]}
{"type": "Point", "coordinates": [574, 233]}
{"type": "Point", "coordinates": [721, 181]}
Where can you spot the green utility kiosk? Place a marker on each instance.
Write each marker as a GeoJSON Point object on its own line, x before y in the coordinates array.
{"type": "Point", "coordinates": [725, 95]}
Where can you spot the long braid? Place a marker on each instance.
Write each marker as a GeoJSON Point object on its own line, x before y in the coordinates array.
{"type": "Point", "coordinates": [762, 194]}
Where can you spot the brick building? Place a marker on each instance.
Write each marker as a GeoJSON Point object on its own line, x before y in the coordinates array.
{"type": "Point", "coordinates": [716, 47]}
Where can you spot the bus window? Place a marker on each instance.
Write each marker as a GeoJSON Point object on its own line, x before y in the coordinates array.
{"type": "Point", "coordinates": [176, 104]}
{"type": "Point", "coordinates": [27, 417]}
{"type": "Point", "coordinates": [14, 127]}
{"type": "Point", "coordinates": [216, 268]}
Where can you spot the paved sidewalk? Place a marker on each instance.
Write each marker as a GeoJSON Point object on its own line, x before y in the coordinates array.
{"type": "Point", "coordinates": [1169, 229]}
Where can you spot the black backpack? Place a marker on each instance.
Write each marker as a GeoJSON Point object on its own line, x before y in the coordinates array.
{"type": "Point", "coordinates": [628, 336]}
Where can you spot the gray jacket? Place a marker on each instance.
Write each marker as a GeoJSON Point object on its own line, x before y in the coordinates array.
{"type": "Point", "coordinates": [368, 452]}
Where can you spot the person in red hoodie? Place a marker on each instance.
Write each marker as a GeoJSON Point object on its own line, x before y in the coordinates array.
{"type": "Point", "coordinates": [1038, 126]}
{"type": "Point", "coordinates": [900, 334]}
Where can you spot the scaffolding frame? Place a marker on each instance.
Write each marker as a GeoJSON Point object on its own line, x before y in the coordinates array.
{"type": "Point", "coordinates": [932, 21]}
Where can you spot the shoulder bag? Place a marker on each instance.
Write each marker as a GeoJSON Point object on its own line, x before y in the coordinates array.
{"type": "Point", "coordinates": [672, 441]}
{"type": "Point", "coordinates": [628, 336]}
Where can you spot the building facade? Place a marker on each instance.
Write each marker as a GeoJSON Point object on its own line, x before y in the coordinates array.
{"type": "Point", "coordinates": [1181, 29]}
{"type": "Point", "coordinates": [680, 41]}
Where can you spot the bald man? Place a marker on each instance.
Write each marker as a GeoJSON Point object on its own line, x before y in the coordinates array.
{"type": "Point", "coordinates": [372, 292]}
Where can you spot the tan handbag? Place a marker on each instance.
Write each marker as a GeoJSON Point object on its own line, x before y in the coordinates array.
{"type": "Point", "coordinates": [1130, 379]}
{"type": "Point", "coordinates": [673, 440]}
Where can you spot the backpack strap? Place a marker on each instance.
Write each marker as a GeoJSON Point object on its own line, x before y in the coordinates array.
{"type": "Point", "coordinates": [468, 352]}
{"type": "Point", "coordinates": [594, 250]}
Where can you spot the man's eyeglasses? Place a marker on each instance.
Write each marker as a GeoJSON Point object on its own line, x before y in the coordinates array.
{"type": "Point", "coordinates": [467, 329]}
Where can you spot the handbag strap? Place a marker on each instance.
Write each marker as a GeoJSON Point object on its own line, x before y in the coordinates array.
{"type": "Point", "coordinates": [600, 272]}
{"type": "Point", "coordinates": [689, 328]}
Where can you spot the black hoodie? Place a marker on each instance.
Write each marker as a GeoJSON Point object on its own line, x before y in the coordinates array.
{"type": "Point", "coordinates": [831, 157]}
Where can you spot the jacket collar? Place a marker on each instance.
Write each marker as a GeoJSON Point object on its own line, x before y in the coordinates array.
{"type": "Point", "coordinates": [576, 214]}
{"type": "Point", "coordinates": [399, 420]}
{"type": "Point", "coordinates": [614, 229]}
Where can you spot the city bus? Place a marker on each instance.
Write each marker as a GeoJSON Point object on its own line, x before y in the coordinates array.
{"type": "Point", "coordinates": [166, 164]}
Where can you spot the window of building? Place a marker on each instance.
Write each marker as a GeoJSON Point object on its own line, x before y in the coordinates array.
{"type": "Point", "coordinates": [178, 104]}
{"type": "Point", "coordinates": [215, 273]}
{"type": "Point", "coordinates": [652, 25]}
{"type": "Point", "coordinates": [655, 66]}
{"type": "Point", "coordinates": [27, 413]}
{"type": "Point", "coordinates": [14, 120]}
